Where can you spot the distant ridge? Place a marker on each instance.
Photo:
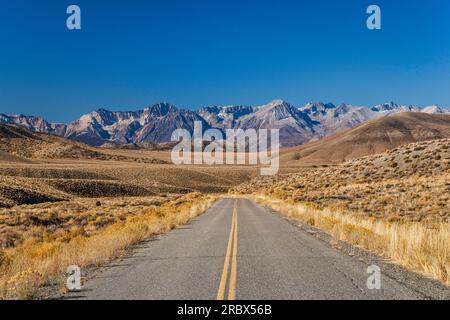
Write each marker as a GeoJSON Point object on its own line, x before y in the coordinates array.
{"type": "Point", "coordinates": [155, 124]}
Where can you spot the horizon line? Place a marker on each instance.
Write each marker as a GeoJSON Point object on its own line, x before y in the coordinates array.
{"type": "Point", "coordinates": [111, 109]}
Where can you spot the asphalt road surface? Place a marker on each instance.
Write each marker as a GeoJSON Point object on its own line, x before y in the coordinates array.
{"type": "Point", "coordinates": [238, 250]}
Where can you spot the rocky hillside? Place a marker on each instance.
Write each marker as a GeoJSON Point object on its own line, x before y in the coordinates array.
{"type": "Point", "coordinates": [33, 123]}
{"type": "Point", "coordinates": [411, 182]}
{"type": "Point", "coordinates": [154, 124]}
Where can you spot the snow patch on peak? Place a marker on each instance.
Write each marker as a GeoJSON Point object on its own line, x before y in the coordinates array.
{"type": "Point", "coordinates": [275, 102]}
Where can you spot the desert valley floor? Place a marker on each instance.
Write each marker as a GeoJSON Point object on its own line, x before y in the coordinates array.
{"type": "Point", "coordinates": [56, 196]}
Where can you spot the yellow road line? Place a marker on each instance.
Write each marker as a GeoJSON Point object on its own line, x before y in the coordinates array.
{"type": "Point", "coordinates": [223, 280]}
{"type": "Point", "coordinates": [232, 285]}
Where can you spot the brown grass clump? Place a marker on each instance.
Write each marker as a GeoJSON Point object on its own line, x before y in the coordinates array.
{"type": "Point", "coordinates": [40, 261]}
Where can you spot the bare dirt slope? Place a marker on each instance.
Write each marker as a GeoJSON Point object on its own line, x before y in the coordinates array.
{"type": "Point", "coordinates": [370, 138]}
{"type": "Point", "coordinates": [20, 142]}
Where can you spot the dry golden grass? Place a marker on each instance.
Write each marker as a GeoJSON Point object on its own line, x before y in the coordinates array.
{"type": "Point", "coordinates": [81, 216]}
{"type": "Point", "coordinates": [65, 203]}
{"type": "Point", "coordinates": [396, 204]}
{"type": "Point", "coordinates": [38, 261]}
{"type": "Point", "coordinates": [417, 246]}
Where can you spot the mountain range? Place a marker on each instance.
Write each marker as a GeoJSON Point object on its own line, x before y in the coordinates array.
{"type": "Point", "coordinates": [155, 124]}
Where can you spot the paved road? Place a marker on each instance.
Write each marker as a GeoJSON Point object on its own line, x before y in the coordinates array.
{"type": "Point", "coordinates": [238, 250]}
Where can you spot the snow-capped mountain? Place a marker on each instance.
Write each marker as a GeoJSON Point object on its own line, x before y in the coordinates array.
{"type": "Point", "coordinates": [434, 109]}
{"type": "Point", "coordinates": [224, 117]}
{"type": "Point", "coordinates": [334, 118]}
{"type": "Point", "coordinates": [155, 124]}
{"type": "Point", "coordinates": [295, 126]}
{"type": "Point", "coordinates": [394, 107]}
{"type": "Point", "coordinates": [33, 123]}
{"type": "Point", "coordinates": [152, 124]}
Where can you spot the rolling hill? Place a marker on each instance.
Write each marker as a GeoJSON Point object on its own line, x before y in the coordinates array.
{"type": "Point", "coordinates": [372, 137]}
{"type": "Point", "coordinates": [410, 182]}
{"type": "Point", "coordinates": [17, 143]}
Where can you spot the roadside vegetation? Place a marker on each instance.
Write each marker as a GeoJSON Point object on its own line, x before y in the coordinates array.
{"type": "Point", "coordinates": [396, 204]}
{"type": "Point", "coordinates": [44, 259]}
{"type": "Point", "coordinates": [419, 247]}
{"type": "Point", "coordinates": [65, 203]}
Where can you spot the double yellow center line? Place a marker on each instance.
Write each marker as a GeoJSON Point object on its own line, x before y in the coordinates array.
{"type": "Point", "coordinates": [231, 252]}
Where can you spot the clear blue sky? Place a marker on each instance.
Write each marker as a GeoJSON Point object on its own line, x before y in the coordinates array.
{"type": "Point", "coordinates": [200, 52]}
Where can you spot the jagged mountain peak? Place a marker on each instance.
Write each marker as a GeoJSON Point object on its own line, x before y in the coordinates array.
{"type": "Point", "coordinates": [155, 123]}
{"type": "Point", "coordinates": [224, 117]}
{"type": "Point", "coordinates": [317, 108]}
{"type": "Point", "coordinates": [387, 106]}
{"type": "Point", "coordinates": [280, 108]}
{"type": "Point", "coordinates": [434, 108]}
{"type": "Point", "coordinates": [294, 126]}
{"type": "Point", "coordinates": [160, 109]}
{"type": "Point", "coordinates": [152, 124]}
{"type": "Point", "coordinates": [275, 103]}
{"type": "Point", "coordinates": [319, 105]}
{"type": "Point", "coordinates": [33, 123]}
{"type": "Point", "coordinates": [277, 110]}
{"type": "Point", "coordinates": [391, 107]}
{"type": "Point", "coordinates": [102, 110]}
